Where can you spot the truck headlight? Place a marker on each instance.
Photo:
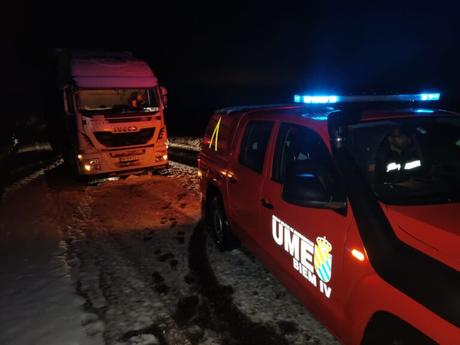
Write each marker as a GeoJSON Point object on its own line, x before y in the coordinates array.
{"type": "Point", "coordinates": [91, 164]}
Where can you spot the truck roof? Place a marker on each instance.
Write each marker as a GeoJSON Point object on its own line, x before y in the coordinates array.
{"type": "Point", "coordinates": [111, 71]}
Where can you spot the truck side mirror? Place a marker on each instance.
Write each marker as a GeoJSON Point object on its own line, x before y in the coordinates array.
{"type": "Point", "coordinates": [164, 96]}
{"type": "Point", "coordinates": [305, 187]}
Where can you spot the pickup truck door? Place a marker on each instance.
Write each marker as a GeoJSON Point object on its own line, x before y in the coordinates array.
{"type": "Point", "coordinates": [245, 176]}
{"type": "Point", "coordinates": [306, 244]}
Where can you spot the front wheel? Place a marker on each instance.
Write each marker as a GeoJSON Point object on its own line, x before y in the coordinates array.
{"type": "Point", "coordinates": [219, 225]}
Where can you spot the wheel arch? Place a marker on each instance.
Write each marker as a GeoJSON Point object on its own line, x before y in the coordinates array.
{"type": "Point", "coordinates": [386, 328]}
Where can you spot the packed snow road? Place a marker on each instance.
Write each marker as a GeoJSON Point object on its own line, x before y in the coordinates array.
{"type": "Point", "coordinates": [129, 262]}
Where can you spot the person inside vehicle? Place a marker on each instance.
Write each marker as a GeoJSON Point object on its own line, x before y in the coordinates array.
{"type": "Point", "coordinates": [397, 157]}
{"type": "Point", "coordinates": [137, 100]}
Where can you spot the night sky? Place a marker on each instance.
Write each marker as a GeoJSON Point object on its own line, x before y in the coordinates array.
{"type": "Point", "coordinates": [231, 53]}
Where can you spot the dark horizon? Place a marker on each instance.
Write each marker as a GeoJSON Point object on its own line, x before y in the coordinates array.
{"type": "Point", "coordinates": [209, 57]}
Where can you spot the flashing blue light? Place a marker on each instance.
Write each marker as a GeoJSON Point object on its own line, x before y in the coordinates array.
{"type": "Point", "coordinates": [430, 96]}
{"type": "Point", "coordinates": [306, 175]}
{"type": "Point", "coordinates": [315, 99]}
{"type": "Point", "coordinates": [328, 99]}
{"type": "Point", "coordinates": [423, 111]}
{"type": "Point", "coordinates": [319, 118]}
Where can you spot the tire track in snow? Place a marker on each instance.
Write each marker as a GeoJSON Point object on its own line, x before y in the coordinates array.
{"type": "Point", "coordinates": [242, 330]}
{"type": "Point", "coordinates": [114, 287]}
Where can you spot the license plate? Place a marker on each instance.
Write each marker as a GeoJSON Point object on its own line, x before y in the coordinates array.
{"type": "Point", "coordinates": [128, 159]}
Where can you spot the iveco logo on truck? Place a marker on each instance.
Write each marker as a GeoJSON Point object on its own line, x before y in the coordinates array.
{"type": "Point", "coordinates": [112, 104]}
{"type": "Point", "coordinates": [125, 129]}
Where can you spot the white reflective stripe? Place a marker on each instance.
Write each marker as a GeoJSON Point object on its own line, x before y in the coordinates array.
{"type": "Point", "coordinates": [412, 165]}
{"type": "Point", "coordinates": [393, 166]}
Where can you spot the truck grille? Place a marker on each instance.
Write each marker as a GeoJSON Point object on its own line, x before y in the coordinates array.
{"type": "Point", "coordinates": [110, 139]}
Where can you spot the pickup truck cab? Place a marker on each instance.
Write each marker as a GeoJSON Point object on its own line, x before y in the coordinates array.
{"type": "Point", "coordinates": [352, 202]}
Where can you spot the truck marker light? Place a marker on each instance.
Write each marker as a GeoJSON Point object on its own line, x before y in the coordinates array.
{"type": "Point", "coordinates": [165, 157]}
{"type": "Point", "coordinates": [80, 157]}
{"type": "Point", "coordinates": [357, 254]}
{"type": "Point", "coordinates": [215, 135]}
{"type": "Point", "coordinates": [200, 174]}
{"type": "Point", "coordinates": [87, 167]}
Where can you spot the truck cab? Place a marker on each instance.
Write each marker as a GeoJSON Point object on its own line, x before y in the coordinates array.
{"type": "Point", "coordinates": [353, 203]}
{"type": "Point", "coordinates": [113, 114]}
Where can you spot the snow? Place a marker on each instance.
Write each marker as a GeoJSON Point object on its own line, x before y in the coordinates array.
{"type": "Point", "coordinates": [258, 294]}
{"type": "Point", "coordinates": [30, 178]}
{"type": "Point", "coordinates": [38, 302]}
{"type": "Point", "coordinates": [110, 263]}
{"type": "Point", "coordinates": [186, 143]}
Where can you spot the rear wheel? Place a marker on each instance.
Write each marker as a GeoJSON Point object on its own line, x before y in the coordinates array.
{"type": "Point", "coordinates": [220, 227]}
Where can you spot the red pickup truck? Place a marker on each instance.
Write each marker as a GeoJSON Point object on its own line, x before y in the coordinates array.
{"type": "Point", "coordinates": [352, 202]}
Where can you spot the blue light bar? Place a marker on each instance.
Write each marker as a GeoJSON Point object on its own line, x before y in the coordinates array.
{"type": "Point", "coordinates": [328, 99]}
{"type": "Point", "coordinates": [315, 99]}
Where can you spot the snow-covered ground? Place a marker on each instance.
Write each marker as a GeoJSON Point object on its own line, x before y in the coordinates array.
{"type": "Point", "coordinates": [127, 262]}
{"type": "Point", "coordinates": [186, 143]}
{"type": "Point", "coordinates": [38, 304]}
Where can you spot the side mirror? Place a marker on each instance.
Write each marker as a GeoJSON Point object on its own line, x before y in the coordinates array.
{"type": "Point", "coordinates": [304, 187]}
{"type": "Point", "coordinates": [164, 96]}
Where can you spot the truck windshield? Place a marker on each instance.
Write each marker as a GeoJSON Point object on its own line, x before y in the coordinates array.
{"type": "Point", "coordinates": [117, 101]}
{"type": "Point", "coordinates": [409, 160]}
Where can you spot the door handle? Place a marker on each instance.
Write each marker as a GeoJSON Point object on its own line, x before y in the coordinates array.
{"type": "Point", "coordinates": [267, 204]}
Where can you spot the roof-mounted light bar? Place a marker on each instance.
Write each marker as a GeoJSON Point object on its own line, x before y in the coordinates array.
{"type": "Point", "coordinates": [330, 99]}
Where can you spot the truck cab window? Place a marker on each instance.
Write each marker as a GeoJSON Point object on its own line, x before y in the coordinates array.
{"type": "Point", "coordinates": [254, 144]}
{"type": "Point", "coordinates": [117, 101]}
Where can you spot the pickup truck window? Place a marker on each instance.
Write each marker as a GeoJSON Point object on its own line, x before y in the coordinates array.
{"type": "Point", "coordinates": [302, 150]}
{"type": "Point", "coordinates": [254, 144]}
{"type": "Point", "coordinates": [410, 160]}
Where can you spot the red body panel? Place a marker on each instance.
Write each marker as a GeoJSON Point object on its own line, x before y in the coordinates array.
{"type": "Point", "coordinates": [345, 298]}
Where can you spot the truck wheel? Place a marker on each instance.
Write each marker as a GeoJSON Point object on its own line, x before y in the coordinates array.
{"type": "Point", "coordinates": [71, 164]}
{"type": "Point", "coordinates": [219, 225]}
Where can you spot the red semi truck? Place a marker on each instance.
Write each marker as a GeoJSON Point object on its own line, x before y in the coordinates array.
{"type": "Point", "coordinates": [112, 118]}
{"type": "Point", "coordinates": [352, 202]}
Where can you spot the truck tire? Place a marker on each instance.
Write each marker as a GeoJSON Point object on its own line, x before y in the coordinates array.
{"type": "Point", "coordinates": [220, 228]}
{"type": "Point", "coordinates": [71, 165]}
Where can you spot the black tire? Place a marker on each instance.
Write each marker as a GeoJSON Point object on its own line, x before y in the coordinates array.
{"type": "Point", "coordinates": [219, 226]}
{"type": "Point", "coordinates": [71, 164]}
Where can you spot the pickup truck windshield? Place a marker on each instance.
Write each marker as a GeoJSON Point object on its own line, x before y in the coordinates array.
{"type": "Point", "coordinates": [117, 101]}
{"type": "Point", "coordinates": [409, 160]}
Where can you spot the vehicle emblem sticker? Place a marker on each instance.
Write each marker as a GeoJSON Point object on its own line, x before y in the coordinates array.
{"type": "Point", "coordinates": [311, 260]}
{"type": "Point", "coordinates": [215, 135]}
{"type": "Point", "coordinates": [323, 259]}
